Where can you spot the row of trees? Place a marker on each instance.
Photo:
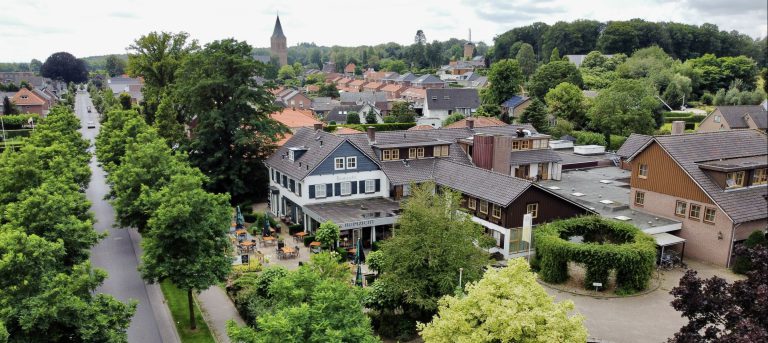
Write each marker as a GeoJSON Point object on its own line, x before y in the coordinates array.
{"type": "Point", "coordinates": [48, 285]}
{"type": "Point", "coordinates": [184, 228]}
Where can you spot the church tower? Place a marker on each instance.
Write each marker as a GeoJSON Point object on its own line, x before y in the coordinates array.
{"type": "Point", "coordinates": [469, 47]}
{"type": "Point", "coordinates": [278, 45]}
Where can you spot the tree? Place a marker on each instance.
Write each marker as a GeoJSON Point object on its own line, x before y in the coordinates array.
{"type": "Point", "coordinates": [353, 118]}
{"type": "Point", "coordinates": [561, 128]}
{"type": "Point", "coordinates": [9, 107]}
{"type": "Point", "coordinates": [403, 111]}
{"type": "Point", "coordinates": [507, 297]}
{"type": "Point", "coordinates": [764, 77]}
{"type": "Point", "coordinates": [234, 133]}
{"type": "Point", "coordinates": [115, 65]}
{"type": "Point", "coordinates": [742, 263]}
{"type": "Point", "coordinates": [125, 101]}
{"type": "Point", "coordinates": [505, 78]}
{"type": "Point", "coordinates": [527, 59]}
{"type": "Point", "coordinates": [65, 67]}
{"type": "Point", "coordinates": [35, 65]}
{"type": "Point", "coordinates": [594, 59]}
{"type": "Point", "coordinates": [552, 74]}
{"type": "Point", "coordinates": [329, 90]}
{"type": "Point", "coordinates": [566, 101]}
{"type": "Point", "coordinates": [370, 117]}
{"type": "Point", "coordinates": [328, 234]}
{"type": "Point", "coordinates": [536, 115]}
{"type": "Point", "coordinates": [618, 37]}
{"type": "Point", "coordinates": [286, 72]}
{"type": "Point", "coordinates": [453, 118]}
{"type": "Point", "coordinates": [626, 107]}
{"type": "Point", "coordinates": [678, 90]}
{"type": "Point", "coordinates": [555, 55]}
{"type": "Point", "coordinates": [187, 242]}
{"type": "Point", "coordinates": [722, 312]}
{"type": "Point", "coordinates": [431, 242]}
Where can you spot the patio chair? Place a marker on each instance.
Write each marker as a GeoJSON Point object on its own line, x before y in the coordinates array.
{"type": "Point", "coordinates": [316, 250]}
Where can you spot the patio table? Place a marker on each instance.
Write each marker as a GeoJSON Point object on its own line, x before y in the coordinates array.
{"type": "Point", "coordinates": [315, 244]}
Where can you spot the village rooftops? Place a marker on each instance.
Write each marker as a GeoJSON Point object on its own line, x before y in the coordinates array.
{"type": "Point", "coordinates": [429, 142]}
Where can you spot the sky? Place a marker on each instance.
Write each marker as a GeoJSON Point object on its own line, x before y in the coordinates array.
{"type": "Point", "coordinates": [37, 28]}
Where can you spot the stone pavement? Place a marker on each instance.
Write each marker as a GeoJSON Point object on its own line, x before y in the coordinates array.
{"type": "Point", "coordinates": [217, 310]}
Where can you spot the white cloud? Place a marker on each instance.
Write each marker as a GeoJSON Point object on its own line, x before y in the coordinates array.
{"type": "Point", "coordinates": [35, 29]}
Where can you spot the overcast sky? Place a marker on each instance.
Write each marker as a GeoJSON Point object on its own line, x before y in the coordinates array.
{"type": "Point", "coordinates": [36, 28]}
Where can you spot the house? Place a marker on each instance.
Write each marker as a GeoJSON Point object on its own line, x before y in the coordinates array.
{"type": "Point", "coordinates": [393, 91]}
{"type": "Point", "coordinates": [293, 98]}
{"type": "Point", "coordinates": [477, 122]}
{"type": "Point", "coordinates": [339, 114]}
{"type": "Point", "coordinates": [454, 70]}
{"type": "Point", "coordinates": [406, 79]}
{"type": "Point", "coordinates": [129, 85]}
{"type": "Point", "coordinates": [346, 131]}
{"type": "Point", "coordinates": [349, 69]}
{"type": "Point", "coordinates": [390, 78]}
{"type": "Point", "coordinates": [4, 95]}
{"type": "Point", "coordinates": [712, 182]}
{"type": "Point", "coordinates": [322, 105]}
{"type": "Point", "coordinates": [472, 80]}
{"type": "Point", "coordinates": [378, 99]}
{"type": "Point", "coordinates": [439, 103]}
{"type": "Point", "coordinates": [356, 86]}
{"type": "Point", "coordinates": [428, 81]}
{"type": "Point", "coordinates": [371, 75]}
{"type": "Point", "coordinates": [294, 118]}
{"type": "Point", "coordinates": [421, 127]}
{"type": "Point", "coordinates": [17, 77]}
{"type": "Point", "coordinates": [373, 86]}
{"type": "Point", "coordinates": [736, 117]}
{"type": "Point", "coordinates": [515, 105]}
{"type": "Point", "coordinates": [357, 181]}
{"type": "Point", "coordinates": [27, 101]}
{"type": "Point", "coordinates": [329, 67]}
{"type": "Point", "coordinates": [633, 143]}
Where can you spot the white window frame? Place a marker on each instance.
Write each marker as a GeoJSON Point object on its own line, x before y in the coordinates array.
{"type": "Point", "coordinates": [411, 153]}
{"type": "Point", "coordinates": [336, 162]}
{"type": "Point", "coordinates": [496, 208]}
{"type": "Point", "coordinates": [639, 196]}
{"type": "Point", "coordinates": [370, 186]}
{"type": "Point", "coordinates": [352, 162]}
{"type": "Point", "coordinates": [717, 118]}
{"type": "Point", "coordinates": [684, 207]}
{"type": "Point", "coordinates": [642, 170]}
{"type": "Point", "coordinates": [533, 209]}
{"type": "Point", "coordinates": [483, 203]}
{"type": "Point", "coordinates": [759, 176]}
{"type": "Point", "coordinates": [348, 186]}
{"type": "Point", "coordinates": [420, 152]}
{"type": "Point", "coordinates": [472, 203]}
{"type": "Point", "coordinates": [734, 176]}
{"type": "Point", "coordinates": [714, 215]}
{"type": "Point", "coordinates": [322, 186]}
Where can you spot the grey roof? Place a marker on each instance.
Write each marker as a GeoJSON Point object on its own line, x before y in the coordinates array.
{"type": "Point", "coordinates": [733, 164]}
{"type": "Point", "coordinates": [514, 101]}
{"type": "Point", "coordinates": [578, 59]}
{"type": "Point", "coordinates": [734, 115]}
{"type": "Point", "coordinates": [406, 77]}
{"type": "Point", "coordinates": [402, 173]}
{"type": "Point", "coordinates": [393, 76]}
{"type": "Point", "coordinates": [533, 156]}
{"type": "Point", "coordinates": [339, 113]}
{"type": "Point", "coordinates": [632, 144]}
{"type": "Point", "coordinates": [317, 150]}
{"type": "Point", "coordinates": [428, 78]}
{"type": "Point", "coordinates": [456, 98]}
{"type": "Point", "coordinates": [278, 31]}
{"type": "Point", "coordinates": [360, 97]}
{"type": "Point", "coordinates": [741, 205]}
{"type": "Point", "coordinates": [484, 184]}
{"type": "Point", "coordinates": [324, 104]}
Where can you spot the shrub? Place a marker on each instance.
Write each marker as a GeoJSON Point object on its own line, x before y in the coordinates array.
{"type": "Point", "coordinates": [292, 229]}
{"type": "Point", "coordinates": [617, 141]}
{"type": "Point", "coordinates": [589, 138]}
{"type": "Point", "coordinates": [342, 253]}
{"type": "Point", "coordinates": [375, 246]}
{"type": "Point", "coordinates": [608, 245]}
{"type": "Point", "coordinates": [742, 263]}
{"type": "Point", "coordinates": [18, 121]}
{"type": "Point", "coordinates": [308, 239]}
{"type": "Point", "coordinates": [707, 98]}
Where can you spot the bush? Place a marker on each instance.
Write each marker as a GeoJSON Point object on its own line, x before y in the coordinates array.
{"type": "Point", "coordinates": [308, 239]}
{"type": "Point", "coordinates": [250, 218]}
{"type": "Point", "coordinates": [742, 264]}
{"type": "Point", "coordinates": [18, 121]}
{"type": "Point", "coordinates": [608, 245]}
{"type": "Point", "coordinates": [342, 253]}
{"type": "Point", "coordinates": [617, 141]}
{"type": "Point", "coordinates": [293, 229]}
{"type": "Point", "coordinates": [379, 127]}
{"type": "Point", "coordinates": [589, 138]}
{"type": "Point", "coordinates": [707, 98]}
{"type": "Point", "coordinates": [258, 218]}
{"type": "Point", "coordinates": [375, 246]}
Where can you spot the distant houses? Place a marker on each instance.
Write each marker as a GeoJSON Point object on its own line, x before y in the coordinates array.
{"type": "Point", "coordinates": [129, 85]}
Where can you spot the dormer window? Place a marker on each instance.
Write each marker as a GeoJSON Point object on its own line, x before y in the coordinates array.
{"type": "Point", "coordinates": [291, 155]}
{"type": "Point", "coordinates": [434, 98]}
{"type": "Point", "coordinates": [760, 176]}
{"type": "Point", "coordinates": [735, 179]}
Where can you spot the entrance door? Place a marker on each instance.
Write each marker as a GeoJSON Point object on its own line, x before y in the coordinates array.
{"type": "Point", "coordinates": [543, 171]}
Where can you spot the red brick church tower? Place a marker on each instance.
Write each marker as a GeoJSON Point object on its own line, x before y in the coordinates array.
{"type": "Point", "coordinates": [278, 45]}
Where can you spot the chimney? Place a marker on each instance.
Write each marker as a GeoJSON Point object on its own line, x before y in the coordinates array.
{"type": "Point", "coordinates": [371, 135]}
{"type": "Point", "coordinates": [482, 151]}
{"type": "Point", "coordinates": [678, 127]}
{"type": "Point", "coordinates": [471, 123]}
{"type": "Point", "coordinates": [318, 126]}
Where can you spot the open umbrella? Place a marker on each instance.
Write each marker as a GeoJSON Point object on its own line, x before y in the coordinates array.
{"type": "Point", "coordinates": [239, 220]}
{"type": "Point", "coordinates": [266, 231]}
{"type": "Point", "coordinates": [359, 276]}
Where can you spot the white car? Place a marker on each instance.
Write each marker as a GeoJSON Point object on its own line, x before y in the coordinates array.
{"type": "Point", "coordinates": [91, 124]}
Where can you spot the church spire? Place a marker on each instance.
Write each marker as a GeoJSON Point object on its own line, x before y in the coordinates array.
{"type": "Point", "coordinates": [278, 32]}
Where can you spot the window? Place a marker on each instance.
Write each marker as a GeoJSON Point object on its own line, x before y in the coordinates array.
{"type": "Point", "coordinates": [709, 215]}
{"type": "Point", "coordinates": [338, 163]}
{"type": "Point", "coordinates": [411, 153]}
{"type": "Point", "coordinates": [496, 211]}
{"type": "Point", "coordinates": [695, 212]}
{"type": "Point", "coordinates": [352, 162]}
{"type": "Point", "coordinates": [639, 198]}
{"type": "Point", "coordinates": [642, 171]}
{"type": "Point", "coordinates": [515, 145]}
{"type": "Point", "coordinates": [390, 154]}
{"type": "Point", "coordinates": [533, 209]}
{"type": "Point", "coordinates": [419, 152]}
{"type": "Point", "coordinates": [440, 150]}
{"type": "Point", "coordinates": [291, 155]}
{"type": "Point", "coordinates": [717, 118]}
{"type": "Point", "coordinates": [346, 188]}
{"type": "Point", "coordinates": [370, 186]}
{"type": "Point", "coordinates": [320, 191]}
{"type": "Point", "coordinates": [734, 180]}
{"type": "Point", "coordinates": [472, 203]}
{"type": "Point", "coordinates": [298, 189]}
{"type": "Point", "coordinates": [760, 176]}
{"type": "Point", "coordinates": [680, 208]}
{"type": "Point", "coordinates": [483, 206]}
{"type": "Point", "coordinates": [524, 145]}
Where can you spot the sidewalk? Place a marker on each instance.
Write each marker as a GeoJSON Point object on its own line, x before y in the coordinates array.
{"type": "Point", "coordinates": [218, 310]}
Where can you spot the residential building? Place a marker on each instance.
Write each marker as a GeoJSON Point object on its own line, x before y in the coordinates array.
{"type": "Point", "coordinates": [17, 77]}
{"type": "Point", "coordinates": [4, 95]}
{"type": "Point", "coordinates": [329, 67]}
{"type": "Point", "coordinates": [440, 103]}
{"type": "Point", "coordinates": [278, 44]}
{"type": "Point", "coordinates": [390, 78]}
{"type": "Point", "coordinates": [415, 96]}
{"type": "Point", "coordinates": [633, 143]}
{"type": "Point", "coordinates": [356, 86]}
{"type": "Point", "coordinates": [515, 106]}
{"type": "Point", "coordinates": [477, 122]}
{"type": "Point", "coordinates": [428, 81]}
{"type": "Point", "coordinates": [406, 79]}
{"type": "Point", "coordinates": [27, 101]}
{"type": "Point", "coordinates": [358, 180]}
{"type": "Point", "coordinates": [736, 117]}
{"type": "Point", "coordinates": [293, 119]}
{"type": "Point", "coordinates": [129, 85]}
{"type": "Point", "coordinates": [472, 80]}
{"type": "Point", "coordinates": [292, 98]}
{"type": "Point", "coordinates": [373, 86]}
{"type": "Point", "coordinates": [393, 91]}
{"type": "Point", "coordinates": [322, 105]}
{"type": "Point", "coordinates": [350, 69]}
{"type": "Point", "coordinates": [378, 99]}
{"type": "Point", "coordinates": [712, 182]}
{"type": "Point", "coordinates": [338, 114]}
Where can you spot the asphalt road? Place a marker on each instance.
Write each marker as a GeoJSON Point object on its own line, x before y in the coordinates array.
{"type": "Point", "coordinates": [118, 253]}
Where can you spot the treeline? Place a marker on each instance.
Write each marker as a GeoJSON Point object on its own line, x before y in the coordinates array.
{"type": "Point", "coordinates": [680, 41]}
{"type": "Point", "coordinates": [48, 288]}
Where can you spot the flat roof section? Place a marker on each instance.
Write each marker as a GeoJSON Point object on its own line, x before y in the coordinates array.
{"type": "Point", "coordinates": [734, 164]}
{"type": "Point", "coordinates": [353, 214]}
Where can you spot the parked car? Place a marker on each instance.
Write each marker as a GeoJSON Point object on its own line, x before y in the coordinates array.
{"type": "Point", "coordinates": [91, 124]}
{"type": "Point", "coordinates": [89, 109]}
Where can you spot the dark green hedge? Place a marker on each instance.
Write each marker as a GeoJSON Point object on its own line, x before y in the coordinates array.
{"type": "Point", "coordinates": [690, 119]}
{"type": "Point", "coordinates": [633, 255]}
{"type": "Point", "coordinates": [379, 127]}
{"type": "Point", "coordinates": [677, 114]}
{"type": "Point", "coordinates": [17, 121]}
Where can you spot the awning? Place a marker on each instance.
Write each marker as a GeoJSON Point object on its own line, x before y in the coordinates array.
{"type": "Point", "coordinates": [353, 214]}
{"type": "Point", "coordinates": [665, 228]}
{"type": "Point", "coordinates": [664, 239]}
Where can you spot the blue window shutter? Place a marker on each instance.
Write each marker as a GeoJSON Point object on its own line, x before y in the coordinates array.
{"type": "Point", "coordinates": [354, 187]}
{"type": "Point", "coordinates": [293, 186]}
{"type": "Point", "coordinates": [337, 189]}
{"type": "Point", "coordinates": [361, 187]}
{"type": "Point", "coordinates": [328, 189]}
{"type": "Point", "coordinates": [312, 191]}
{"type": "Point", "coordinates": [378, 185]}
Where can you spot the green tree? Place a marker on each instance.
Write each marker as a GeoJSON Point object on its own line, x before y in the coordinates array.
{"type": "Point", "coordinates": [353, 118]}
{"type": "Point", "coordinates": [555, 55]}
{"type": "Point", "coordinates": [115, 65]}
{"type": "Point", "coordinates": [453, 118]}
{"type": "Point", "coordinates": [536, 115]}
{"type": "Point", "coordinates": [328, 234]}
{"type": "Point", "coordinates": [8, 107]}
{"type": "Point", "coordinates": [508, 296]}
{"type": "Point", "coordinates": [329, 90]}
{"type": "Point", "coordinates": [678, 90]}
{"type": "Point", "coordinates": [125, 101]}
{"type": "Point", "coordinates": [527, 59]}
{"type": "Point", "coordinates": [286, 72]}
{"type": "Point", "coordinates": [187, 243]}
{"type": "Point", "coordinates": [35, 65]}
{"type": "Point", "coordinates": [168, 121]}
{"type": "Point", "coordinates": [552, 74]}
{"type": "Point", "coordinates": [566, 101]}
{"type": "Point", "coordinates": [626, 107]}
{"type": "Point", "coordinates": [505, 78]}
{"type": "Point", "coordinates": [618, 37]}
{"type": "Point", "coordinates": [594, 59]}
{"type": "Point", "coordinates": [234, 132]}
{"type": "Point", "coordinates": [119, 128]}
{"type": "Point", "coordinates": [561, 128]}
{"type": "Point", "coordinates": [403, 111]}
{"type": "Point", "coordinates": [370, 117]}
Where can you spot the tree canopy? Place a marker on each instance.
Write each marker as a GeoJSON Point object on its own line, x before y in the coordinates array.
{"type": "Point", "coordinates": [536, 115]}
{"type": "Point", "coordinates": [625, 107]}
{"type": "Point", "coordinates": [552, 74]}
{"type": "Point", "coordinates": [63, 66]}
{"type": "Point", "coordinates": [505, 78]}
{"type": "Point", "coordinates": [566, 101]}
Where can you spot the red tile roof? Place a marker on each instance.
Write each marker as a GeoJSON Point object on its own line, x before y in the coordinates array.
{"type": "Point", "coordinates": [295, 118]}
{"type": "Point", "coordinates": [26, 97]}
{"type": "Point", "coordinates": [392, 88]}
{"type": "Point", "coordinates": [357, 83]}
{"type": "Point", "coordinates": [419, 93]}
{"type": "Point", "coordinates": [346, 131]}
{"type": "Point", "coordinates": [479, 122]}
{"type": "Point", "coordinates": [421, 127]}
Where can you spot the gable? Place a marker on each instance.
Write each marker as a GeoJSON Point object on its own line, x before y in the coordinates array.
{"type": "Point", "coordinates": [346, 149]}
{"type": "Point", "coordinates": [665, 176]}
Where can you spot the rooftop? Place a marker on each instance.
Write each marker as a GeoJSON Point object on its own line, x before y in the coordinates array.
{"type": "Point", "coordinates": [356, 213]}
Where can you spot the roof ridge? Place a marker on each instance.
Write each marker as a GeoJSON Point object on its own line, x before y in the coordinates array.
{"type": "Point", "coordinates": [482, 169]}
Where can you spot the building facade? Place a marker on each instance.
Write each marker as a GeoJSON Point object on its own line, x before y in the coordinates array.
{"type": "Point", "coordinates": [278, 43]}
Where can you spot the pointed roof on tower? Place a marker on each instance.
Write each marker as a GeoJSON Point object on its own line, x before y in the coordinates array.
{"type": "Point", "coordinates": [278, 32]}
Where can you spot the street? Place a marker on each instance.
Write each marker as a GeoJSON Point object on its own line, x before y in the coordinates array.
{"type": "Point", "coordinates": [119, 252]}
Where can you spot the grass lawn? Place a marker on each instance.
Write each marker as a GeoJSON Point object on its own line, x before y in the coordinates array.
{"type": "Point", "coordinates": [177, 303]}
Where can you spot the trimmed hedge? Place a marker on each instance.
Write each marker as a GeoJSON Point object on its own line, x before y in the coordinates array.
{"type": "Point", "coordinates": [308, 239]}
{"type": "Point", "coordinates": [677, 114]}
{"type": "Point", "coordinates": [589, 138]}
{"type": "Point", "coordinates": [629, 251]}
{"type": "Point", "coordinates": [379, 127]}
{"type": "Point", "coordinates": [18, 121]}
{"type": "Point", "coordinates": [691, 119]}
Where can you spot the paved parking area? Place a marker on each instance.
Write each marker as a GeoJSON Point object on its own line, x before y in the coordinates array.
{"type": "Point", "coordinates": [645, 318]}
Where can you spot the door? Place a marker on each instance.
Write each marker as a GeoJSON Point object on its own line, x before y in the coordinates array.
{"type": "Point", "coordinates": [544, 171]}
